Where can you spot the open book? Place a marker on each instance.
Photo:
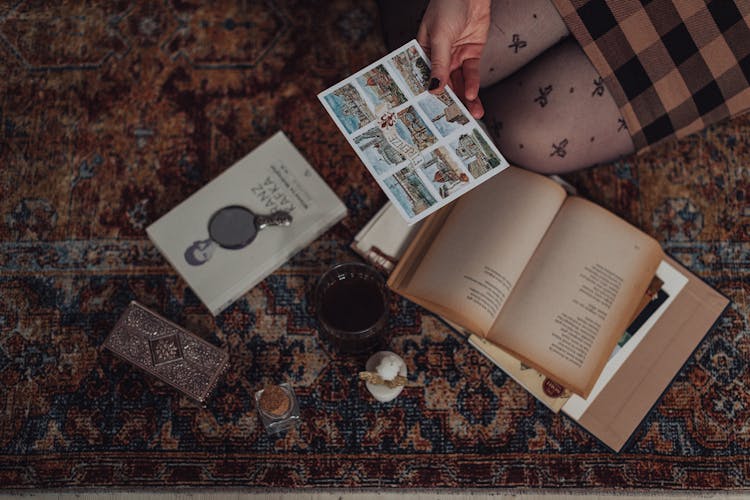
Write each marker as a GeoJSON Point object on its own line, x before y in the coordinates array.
{"type": "Point", "coordinates": [552, 279]}
{"type": "Point", "coordinates": [674, 313]}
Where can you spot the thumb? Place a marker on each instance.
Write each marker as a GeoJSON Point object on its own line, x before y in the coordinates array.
{"type": "Point", "coordinates": [440, 52]}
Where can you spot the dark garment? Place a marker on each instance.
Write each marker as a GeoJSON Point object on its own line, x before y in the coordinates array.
{"type": "Point", "coordinates": [673, 67]}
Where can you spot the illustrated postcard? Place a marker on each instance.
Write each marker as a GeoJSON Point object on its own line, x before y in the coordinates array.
{"type": "Point", "coordinates": [424, 150]}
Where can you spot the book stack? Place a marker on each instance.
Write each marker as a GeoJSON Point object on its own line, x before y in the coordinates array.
{"type": "Point", "coordinates": [582, 309]}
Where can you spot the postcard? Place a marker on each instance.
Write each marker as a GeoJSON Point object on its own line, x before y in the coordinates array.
{"type": "Point", "coordinates": [424, 150]}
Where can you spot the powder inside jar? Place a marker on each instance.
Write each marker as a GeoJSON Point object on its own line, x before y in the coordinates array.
{"type": "Point", "coordinates": [275, 401]}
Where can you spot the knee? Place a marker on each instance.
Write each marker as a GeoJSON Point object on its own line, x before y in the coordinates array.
{"type": "Point", "coordinates": [557, 140]}
{"type": "Point", "coordinates": [529, 140]}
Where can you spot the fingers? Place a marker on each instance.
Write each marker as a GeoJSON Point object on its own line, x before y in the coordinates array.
{"type": "Point", "coordinates": [476, 108]}
{"type": "Point", "coordinates": [458, 83]}
{"type": "Point", "coordinates": [471, 78]}
{"type": "Point", "coordinates": [440, 53]}
{"type": "Point", "coordinates": [470, 73]}
{"type": "Point", "coordinates": [436, 52]}
{"type": "Point", "coordinates": [423, 38]}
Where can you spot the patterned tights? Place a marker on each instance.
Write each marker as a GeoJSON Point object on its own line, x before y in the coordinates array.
{"type": "Point", "coordinates": [546, 107]}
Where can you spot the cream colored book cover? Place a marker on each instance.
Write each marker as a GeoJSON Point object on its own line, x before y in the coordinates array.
{"type": "Point", "coordinates": [224, 239]}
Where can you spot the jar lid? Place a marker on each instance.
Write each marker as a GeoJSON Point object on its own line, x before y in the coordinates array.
{"type": "Point", "coordinates": [275, 401]}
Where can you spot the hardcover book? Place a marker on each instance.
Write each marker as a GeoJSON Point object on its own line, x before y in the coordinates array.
{"type": "Point", "coordinates": [240, 227]}
{"type": "Point", "coordinates": [384, 238]}
{"type": "Point", "coordinates": [424, 150]}
{"type": "Point", "coordinates": [581, 308]}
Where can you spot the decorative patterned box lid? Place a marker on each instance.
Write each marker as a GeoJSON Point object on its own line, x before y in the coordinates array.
{"type": "Point", "coordinates": [167, 351]}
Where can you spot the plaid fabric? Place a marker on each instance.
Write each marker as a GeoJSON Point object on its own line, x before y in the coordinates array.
{"type": "Point", "coordinates": [673, 67]}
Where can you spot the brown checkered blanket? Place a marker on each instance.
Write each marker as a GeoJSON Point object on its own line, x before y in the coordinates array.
{"type": "Point", "coordinates": [674, 67]}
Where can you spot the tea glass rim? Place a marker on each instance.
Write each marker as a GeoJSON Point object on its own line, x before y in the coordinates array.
{"type": "Point", "coordinates": [382, 288]}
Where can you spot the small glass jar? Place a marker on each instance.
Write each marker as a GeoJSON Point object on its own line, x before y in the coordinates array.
{"type": "Point", "coordinates": [277, 407]}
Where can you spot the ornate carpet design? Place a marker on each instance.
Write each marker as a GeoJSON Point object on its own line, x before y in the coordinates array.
{"type": "Point", "coordinates": [113, 112]}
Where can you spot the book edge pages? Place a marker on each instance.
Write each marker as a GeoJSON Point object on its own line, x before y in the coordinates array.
{"type": "Point", "coordinates": [478, 343]}
{"type": "Point", "coordinates": [616, 424]}
{"type": "Point", "coordinates": [386, 252]}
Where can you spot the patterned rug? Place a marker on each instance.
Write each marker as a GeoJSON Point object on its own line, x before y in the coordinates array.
{"type": "Point", "coordinates": [113, 112]}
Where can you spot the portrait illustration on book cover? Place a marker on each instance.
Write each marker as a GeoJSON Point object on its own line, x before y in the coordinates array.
{"type": "Point", "coordinates": [232, 227]}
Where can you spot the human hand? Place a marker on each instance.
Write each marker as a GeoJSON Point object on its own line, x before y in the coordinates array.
{"type": "Point", "coordinates": [453, 34]}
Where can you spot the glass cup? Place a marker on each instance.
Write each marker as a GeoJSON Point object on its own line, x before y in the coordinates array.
{"type": "Point", "coordinates": [351, 302]}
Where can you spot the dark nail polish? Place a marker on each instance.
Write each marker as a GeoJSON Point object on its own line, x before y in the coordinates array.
{"type": "Point", "coordinates": [434, 83]}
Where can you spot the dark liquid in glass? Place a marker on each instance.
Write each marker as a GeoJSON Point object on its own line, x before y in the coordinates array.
{"type": "Point", "coordinates": [352, 304]}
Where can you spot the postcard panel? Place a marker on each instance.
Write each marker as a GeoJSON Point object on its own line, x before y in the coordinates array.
{"type": "Point", "coordinates": [424, 150]}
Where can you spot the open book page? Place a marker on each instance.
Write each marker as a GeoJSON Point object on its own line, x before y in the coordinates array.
{"type": "Point", "coordinates": [672, 283]}
{"type": "Point", "coordinates": [661, 291]}
{"type": "Point", "coordinates": [577, 294]}
{"type": "Point", "coordinates": [467, 271]}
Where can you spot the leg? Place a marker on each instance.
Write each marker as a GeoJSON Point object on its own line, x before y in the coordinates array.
{"type": "Point", "coordinates": [555, 115]}
{"type": "Point", "coordinates": [520, 30]}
